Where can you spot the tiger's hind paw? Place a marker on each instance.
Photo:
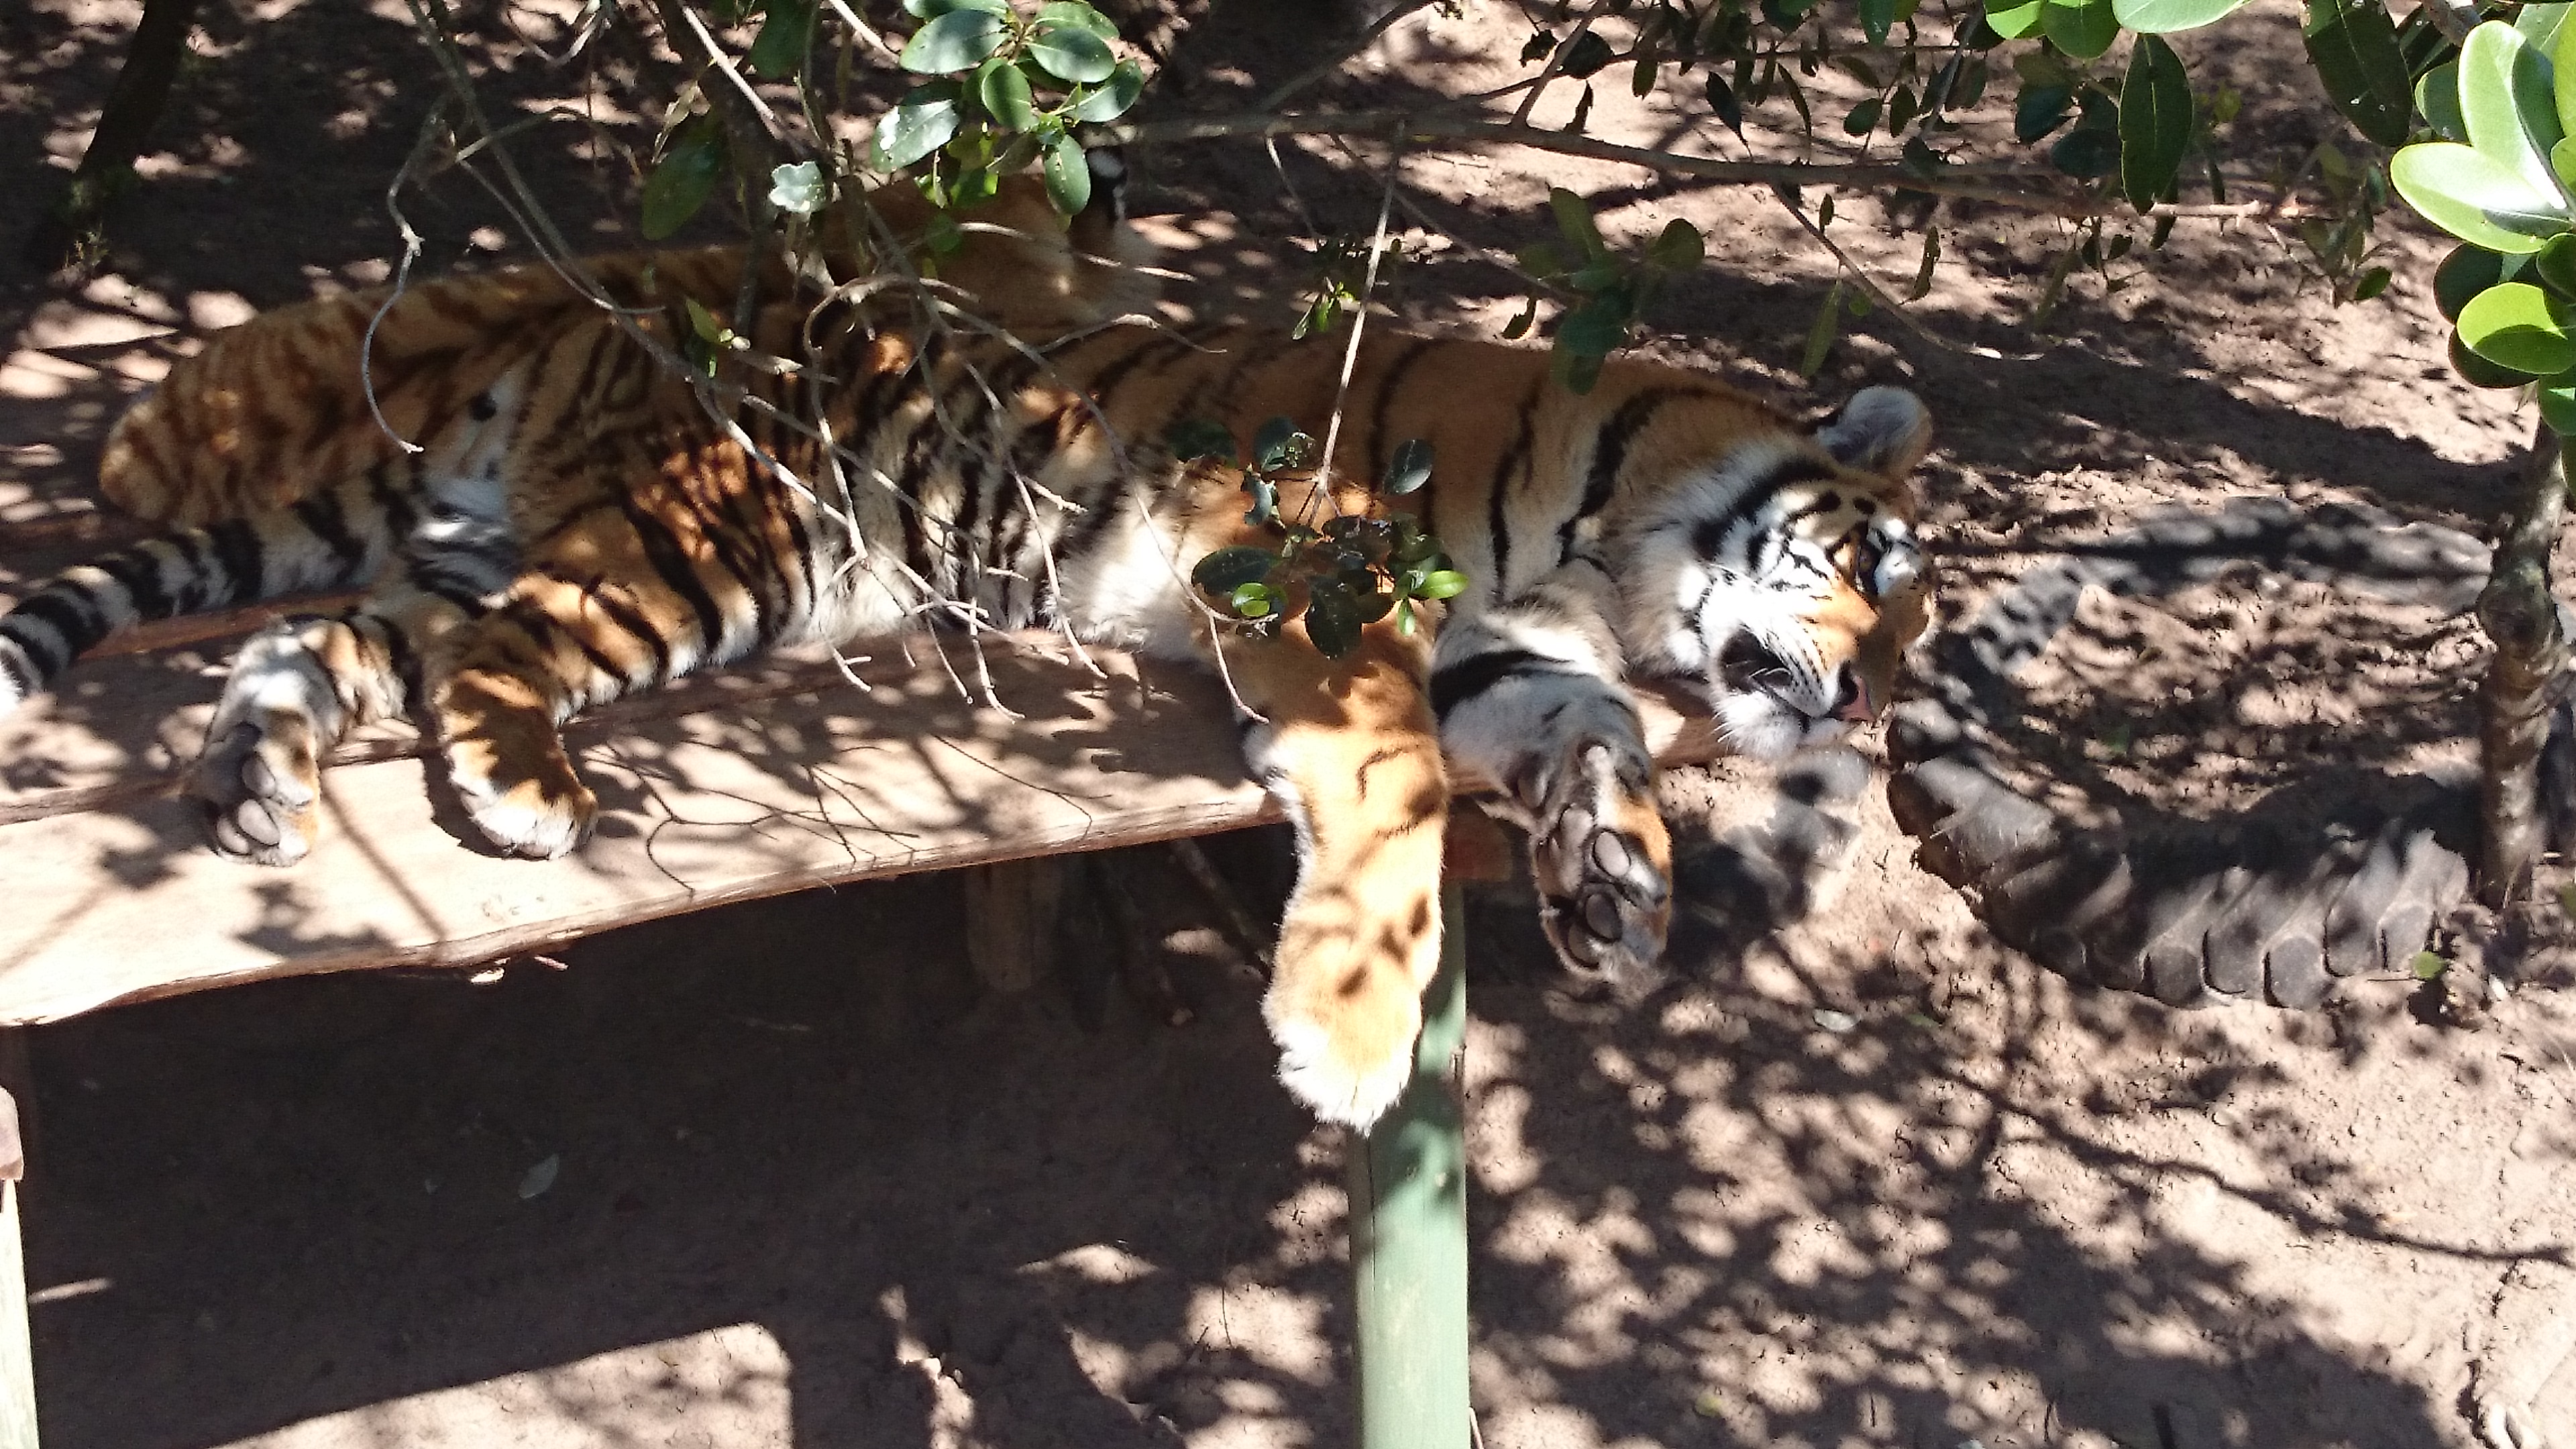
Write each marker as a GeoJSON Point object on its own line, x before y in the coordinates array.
{"type": "Point", "coordinates": [537, 819]}
{"type": "Point", "coordinates": [260, 784]}
{"type": "Point", "coordinates": [1346, 1055]}
{"type": "Point", "coordinates": [1603, 862]}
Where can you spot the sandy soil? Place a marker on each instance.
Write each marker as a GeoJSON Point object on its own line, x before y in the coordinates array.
{"type": "Point", "coordinates": [783, 1175]}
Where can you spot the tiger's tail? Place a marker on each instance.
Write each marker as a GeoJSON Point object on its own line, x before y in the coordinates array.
{"type": "Point", "coordinates": [336, 538]}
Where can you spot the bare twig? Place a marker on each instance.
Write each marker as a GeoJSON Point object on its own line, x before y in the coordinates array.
{"type": "Point", "coordinates": [1861, 278]}
{"type": "Point", "coordinates": [1420, 129]}
{"type": "Point", "coordinates": [1359, 324]}
{"type": "Point", "coordinates": [1555, 63]}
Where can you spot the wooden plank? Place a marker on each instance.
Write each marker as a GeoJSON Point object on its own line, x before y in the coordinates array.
{"type": "Point", "coordinates": [745, 785]}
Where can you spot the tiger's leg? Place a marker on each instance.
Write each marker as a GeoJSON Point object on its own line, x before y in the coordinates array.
{"type": "Point", "coordinates": [1350, 747]}
{"type": "Point", "coordinates": [1529, 698]}
{"type": "Point", "coordinates": [552, 648]}
{"type": "Point", "coordinates": [295, 690]}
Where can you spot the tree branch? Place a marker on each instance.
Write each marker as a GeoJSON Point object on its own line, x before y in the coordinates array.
{"type": "Point", "coordinates": [1417, 129]}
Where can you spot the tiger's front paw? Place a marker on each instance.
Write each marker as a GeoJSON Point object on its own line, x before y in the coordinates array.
{"type": "Point", "coordinates": [1345, 1041]}
{"type": "Point", "coordinates": [260, 782]}
{"type": "Point", "coordinates": [1603, 863]}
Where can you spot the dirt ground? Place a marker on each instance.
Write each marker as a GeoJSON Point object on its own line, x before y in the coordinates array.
{"type": "Point", "coordinates": [782, 1175]}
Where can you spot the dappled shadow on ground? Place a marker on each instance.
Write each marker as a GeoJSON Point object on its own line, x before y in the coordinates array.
{"type": "Point", "coordinates": [782, 1175]}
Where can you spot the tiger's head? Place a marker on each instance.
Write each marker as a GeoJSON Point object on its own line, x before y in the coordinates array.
{"type": "Point", "coordinates": [1785, 579]}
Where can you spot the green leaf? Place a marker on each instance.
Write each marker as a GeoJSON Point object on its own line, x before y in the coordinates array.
{"type": "Point", "coordinates": [2554, 267]}
{"type": "Point", "coordinates": [2467, 271]}
{"type": "Point", "coordinates": [1193, 438]}
{"type": "Point", "coordinates": [684, 178]}
{"type": "Point", "coordinates": [1068, 177]}
{"type": "Point", "coordinates": [1072, 54]}
{"type": "Point", "coordinates": [1279, 444]}
{"type": "Point", "coordinates": [2166, 17]}
{"type": "Point", "coordinates": [933, 9]}
{"type": "Point", "coordinates": [1678, 248]}
{"type": "Point", "coordinates": [2517, 325]}
{"type": "Point", "coordinates": [1079, 16]}
{"type": "Point", "coordinates": [2041, 109]}
{"type": "Point", "coordinates": [1110, 99]}
{"type": "Point", "coordinates": [1228, 569]}
{"type": "Point", "coordinates": [2087, 152]}
{"type": "Point", "coordinates": [1863, 118]}
{"type": "Point", "coordinates": [1876, 17]}
{"type": "Point", "coordinates": [1574, 371]}
{"type": "Point", "coordinates": [1332, 618]}
{"type": "Point", "coordinates": [1409, 469]}
{"type": "Point", "coordinates": [784, 38]}
{"type": "Point", "coordinates": [798, 188]}
{"type": "Point", "coordinates": [1574, 219]}
{"type": "Point", "coordinates": [1004, 91]}
{"type": "Point", "coordinates": [2372, 283]}
{"type": "Point", "coordinates": [1254, 601]}
{"type": "Point", "coordinates": [1821, 333]}
{"type": "Point", "coordinates": [2437, 100]}
{"type": "Point", "coordinates": [1593, 329]}
{"type": "Point", "coordinates": [2429, 967]}
{"type": "Point", "coordinates": [2015, 19]}
{"type": "Point", "coordinates": [1721, 99]}
{"type": "Point", "coordinates": [2475, 198]}
{"type": "Point", "coordinates": [2478, 372]}
{"type": "Point", "coordinates": [2510, 106]}
{"type": "Point", "coordinates": [2545, 28]}
{"type": "Point", "coordinates": [2558, 406]}
{"type": "Point", "coordinates": [1440, 584]}
{"type": "Point", "coordinates": [958, 40]}
{"type": "Point", "coordinates": [2353, 45]}
{"type": "Point", "coordinates": [1586, 56]}
{"type": "Point", "coordinates": [2082, 28]}
{"type": "Point", "coordinates": [920, 123]}
{"type": "Point", "coordinates": [1518, 327]}
{"type": "Point", "coordinates": [2155, 121]}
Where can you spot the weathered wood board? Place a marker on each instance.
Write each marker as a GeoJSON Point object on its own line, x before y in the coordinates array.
{"type": "Point", "coordinates": [733, 786]}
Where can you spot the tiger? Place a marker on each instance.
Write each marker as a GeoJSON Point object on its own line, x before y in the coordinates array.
{"type": "Point", "coordinates": [566, 522]}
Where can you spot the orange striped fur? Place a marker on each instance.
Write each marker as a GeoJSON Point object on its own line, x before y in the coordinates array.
{"type": "Point", "coordinates": [575, 526]}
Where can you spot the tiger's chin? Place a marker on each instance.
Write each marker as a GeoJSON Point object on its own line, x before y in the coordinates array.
{"type": "Point", "coordinates": [1762, 727]}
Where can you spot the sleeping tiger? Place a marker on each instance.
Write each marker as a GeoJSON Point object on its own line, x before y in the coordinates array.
{"type": "Point", "coordinates": [574, 525]}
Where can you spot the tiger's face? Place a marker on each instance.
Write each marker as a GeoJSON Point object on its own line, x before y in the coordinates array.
{"type": "Point", "coordinates": [1786, 582]}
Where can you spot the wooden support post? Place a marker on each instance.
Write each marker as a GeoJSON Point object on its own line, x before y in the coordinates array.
{"type": "Point", "coordinates": [17, 1347]}
{"type": "Point", "coordinates": [1011, 910]}
{"type": "Point", "coordinates": [1408, 1201]}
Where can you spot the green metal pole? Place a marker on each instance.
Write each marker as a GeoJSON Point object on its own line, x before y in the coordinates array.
{"type": "Point", "coordinates": [1408, 1190]}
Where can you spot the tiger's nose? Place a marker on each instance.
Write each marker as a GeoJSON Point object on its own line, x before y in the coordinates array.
{"type": "Point", "coordinates": [1851, 698]}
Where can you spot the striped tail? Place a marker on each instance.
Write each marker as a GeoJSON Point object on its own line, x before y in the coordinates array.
{"type": "Point", "coordinates": [334, 539]}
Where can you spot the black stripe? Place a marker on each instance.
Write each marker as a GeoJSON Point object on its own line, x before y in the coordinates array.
{"type": "Point", "coordinates": [1454, 684]}
{"type": "Point", "coordinates": [1497, 492]}
{"type": "Point", "coordinates": [399, 514]}
{"type": "Point", "coordinates": [541, 626]}
{"type": "Point", "coordinates": [237, 552]}
{"type": "Point", "coordinates": [1388, 386]}
{"type": "Point", "coordinates": [320, 515]}
{"type": "Point", "coordinates": [39, 655]}
{"type": "Point", "coordinates": [18, 664]}
{"type": "Point", "coordinates": [54, 608]}
{"type": "Point", "coordinates": [139, 574]}
{"type": "Point", "coordinates": [626, 617]}
{"type": "Point", "coordinates": [669, 560]}
{"type": "Point", "coordinates": [1610, 453]}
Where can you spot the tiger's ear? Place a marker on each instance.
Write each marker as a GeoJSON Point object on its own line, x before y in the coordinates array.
{"type": "Point", "coordinates": [1884, 430]}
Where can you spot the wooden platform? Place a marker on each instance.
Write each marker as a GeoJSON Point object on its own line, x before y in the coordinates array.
{"type": "Point", "coordinates": [738, 785]}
